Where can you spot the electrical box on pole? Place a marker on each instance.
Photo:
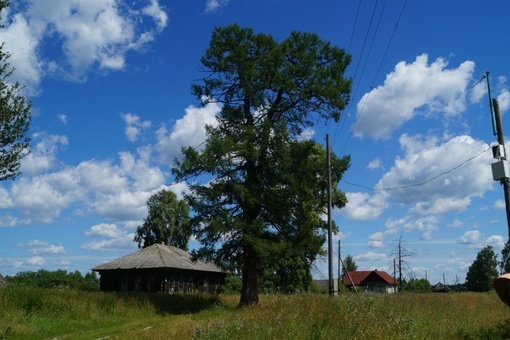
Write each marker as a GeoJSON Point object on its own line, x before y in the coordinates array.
{"type": "Point", "coordinates": [498, 152]}
{"type": "Point", "coordinates": [500, 170]}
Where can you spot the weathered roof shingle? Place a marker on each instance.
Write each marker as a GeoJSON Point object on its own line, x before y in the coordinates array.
{"type": "Point", "coordinates": [159, 256]}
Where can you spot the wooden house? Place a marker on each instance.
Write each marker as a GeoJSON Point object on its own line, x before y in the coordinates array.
{"type": "Point", "coordinates": [160, 268]}
{"type": "Point", "coordinates": [371, 281]}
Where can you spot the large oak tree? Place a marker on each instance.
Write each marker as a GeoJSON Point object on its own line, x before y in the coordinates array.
{"type": "Point", "coordinates": [259, 194]}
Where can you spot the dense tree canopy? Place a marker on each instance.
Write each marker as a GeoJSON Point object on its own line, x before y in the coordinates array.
{"type": "Point", "coordinates": [482, 273]}
{"type": "Point", "coordinates": [168, 222]}
{"type": "Point", "coordinates": [14, 118]}
{"type": "Point", "coordinates": [259, 194]}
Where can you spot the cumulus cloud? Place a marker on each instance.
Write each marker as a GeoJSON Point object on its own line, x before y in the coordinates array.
{"type": "Point", "coordinates": [134, 126]}
{"type": "Point", "coordinates": [113, 190]}
{"type": "Point", "coordinates": [425, 225]}
{"type": "Point", "coordinates": [94, 33]}
{"type": "Point", "coordinates": [471, 237]}
{"type": "Point", "coordinates": [108, 237]}
{"type": "Point", "coordinates": [43, 155]}
{"type": "Point", "coordinates": [476, 239]}
{"type": "Point", "coordinates": [187, 131]}
{"type": "Point", "coordinates": [362, 206]}
{"type": "Point", "coordinates": [412, 89]}
{"type": "Point", "coordinates": [435, 177]}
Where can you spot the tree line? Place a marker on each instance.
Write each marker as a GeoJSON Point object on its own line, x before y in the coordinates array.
{"type": "Point", "coordinates": [58, 279]}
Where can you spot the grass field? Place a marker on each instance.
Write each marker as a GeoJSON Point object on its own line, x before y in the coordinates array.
{"type": "Point", "coordinates": [28, 313]}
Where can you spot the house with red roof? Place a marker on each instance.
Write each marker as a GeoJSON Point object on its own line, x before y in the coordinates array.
{"type": "Point", "coordinates": [371, 281]}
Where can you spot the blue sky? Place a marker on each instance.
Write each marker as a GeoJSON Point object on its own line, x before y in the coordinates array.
{"type": "Point", "coordinates": [110, 86]}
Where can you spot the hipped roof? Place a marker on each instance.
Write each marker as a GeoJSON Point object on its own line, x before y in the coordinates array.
{"type": "Point", "coordinates": [361, 277]}
{"type": "Point", "coordinates": [159, 256]}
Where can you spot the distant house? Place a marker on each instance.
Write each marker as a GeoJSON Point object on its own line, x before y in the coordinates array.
{"type": "Point", "coordinates": [160, 268]}
{"type": "Point", "coordinates": [371, 281]}
{"type": "Point", "coordinates": [2, 281]}
{"type": "Point", "coordinates": [440, 288]}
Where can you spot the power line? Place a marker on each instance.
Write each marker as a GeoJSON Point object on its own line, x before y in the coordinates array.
{"type": "Point", "coordinates": [421, 183]}
{"type": "Point", "coordinates": [374, 79]}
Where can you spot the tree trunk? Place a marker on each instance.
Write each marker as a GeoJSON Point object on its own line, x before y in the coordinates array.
{"type": "Point", "coordinates": [249, 290]}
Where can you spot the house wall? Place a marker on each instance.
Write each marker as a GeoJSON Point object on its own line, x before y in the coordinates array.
{"type": "Point", "coordinates": [161, 280]}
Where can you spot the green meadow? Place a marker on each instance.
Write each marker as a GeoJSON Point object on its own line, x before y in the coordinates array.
{"type": "Point", "coordinates": [38, 313]}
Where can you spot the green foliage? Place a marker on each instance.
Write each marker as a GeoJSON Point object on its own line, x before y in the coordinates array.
{"type": "Point", "coordinates": [168, 222]}
{"type": "Point", "coordinates": [348, 265]}
{"type": "Point", "coordinates": [14, 118]}
{"type": "Point", "coordinates": [482, 273]}
{"type": "Point", "coordinates": [232, 284]}
{"type": "Point", "coordinates": [416, 285]}
{"type": "Point", "coordinates": [59, 279]}
{"type": "Point", "coordinates": [261, 213]}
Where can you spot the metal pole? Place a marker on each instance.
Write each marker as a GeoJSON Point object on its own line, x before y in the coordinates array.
{"type": "Point", "coordinates": [330, 225]}
{"type": "Point", "coordinates": [501, 141]}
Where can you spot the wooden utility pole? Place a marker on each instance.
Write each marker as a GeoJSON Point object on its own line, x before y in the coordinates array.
{"type": "Point", "coordinates": [501, 141]}
{"type": "Point", "coordinates": [400, 263]}
{"type": "Point", "coordinates": [330, 223]}
{"type": "Point", "coordinates": [339, 263]}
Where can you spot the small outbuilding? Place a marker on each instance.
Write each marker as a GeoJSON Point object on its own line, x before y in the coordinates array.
{"type": "Point", "coordinates": [440, 288]}
{"type": "Point", "coordinates": [371, 281]}
{"type": "Point", "coordinates": [160, 268]}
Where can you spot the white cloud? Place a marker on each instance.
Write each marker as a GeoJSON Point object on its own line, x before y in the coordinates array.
{"type": "Point", "coordinates": [438, 178]}
{"type": "Point", "coordinates": [412, 89]}
{"type": "Point", "coordinates": [63, 118]}
{"type": "Point", "coordinates": [123, 243]}
{"type": "Point", "coordinates": [471, 237]}
{"type": "Point", "coordinates": [500, 204]}
{"type": "Point", "coordinates": [496, 240]}
{"type": "Point", "coordinates": [187, 131]}
{"type": "Point", "coordinates": [43, 155]}
{"type": "Point", "coordinates": [106, 230]}
{"type": "Point", "coordinates": [213, 5]}
{"type": "Point", "coordinates": [375, 164]}
{"type": "Point", "coordinates": [425, 225]}
{"type": "Point", "coordinates": [155, 11]}
{"type": "Point", "coordinates": [456, 223]}
{"type": "Point", "coordinates": [36, 261]}
{"type": "Point", "coordinates": [93, 33]}
{"type": "Point", "coordinates": [362, 206]}
{"type": "Point", "coordinates": [370, 256]}
{"type": "Point", "coordinates": [116, 191]}
{"type": "Point", "coordinates": [504, 100]}
{"type": "Point", "coordinates": [134, 126]}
